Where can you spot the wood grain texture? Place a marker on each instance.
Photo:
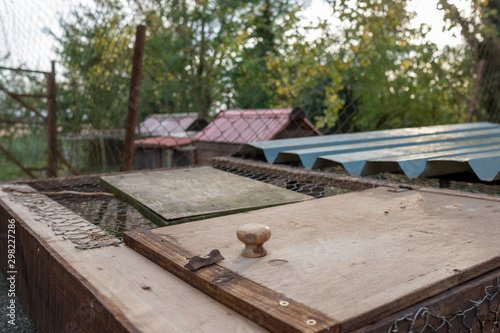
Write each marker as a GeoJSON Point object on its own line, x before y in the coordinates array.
{"type": "Point", "coordinates": [174, 196]}
{"type": "Point", "coordinates": [111, 289]}
{"type": "Point", "coordinates": [359, 257]}
{"type": "Point", "coordinates": [57, 298]}
{"type": "Point", "coordinates": [240, 294]}
{"type": "Point", "coordinates": [447, 304]}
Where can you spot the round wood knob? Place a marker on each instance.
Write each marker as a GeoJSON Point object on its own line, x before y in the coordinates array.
{"type": "Point", "coordinates": [254, 235]}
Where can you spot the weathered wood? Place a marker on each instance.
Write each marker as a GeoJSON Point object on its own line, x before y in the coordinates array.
{"type": "Point", "coordinates": [56, 296]}
{"type": "Point", "coordinates": [110, 289]}
{"type": "Point", "coordinates": [244, 296]}
{"type": "Point", "coordinates": [173, 196]}
{"type": "Point", "coordinates": [361, 256]}
{"type": "Point", "coordinates": [447, 304]}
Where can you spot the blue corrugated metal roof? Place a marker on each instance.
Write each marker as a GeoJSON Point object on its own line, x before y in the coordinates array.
{"type": "Point", "coordinates": [418, 152]}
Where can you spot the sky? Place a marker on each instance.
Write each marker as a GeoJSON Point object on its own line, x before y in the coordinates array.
{"type": "Point", "coordinates": [22, 23]}
{"type": "Point", "coordinates": [426, 12]}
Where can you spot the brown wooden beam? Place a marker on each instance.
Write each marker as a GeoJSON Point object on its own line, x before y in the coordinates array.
{"type": "Point", "coordinates": [264, 306]}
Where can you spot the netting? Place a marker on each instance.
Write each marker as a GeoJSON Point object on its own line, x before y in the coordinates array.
{"type": "Point", "coordinates": [88, 220]}
{"type": "Point", "coordinates": [483, 316]}
{"type": "Point", "coordinates": [312, 183]}
{"type": "Point", "coordinates": [69, 214]}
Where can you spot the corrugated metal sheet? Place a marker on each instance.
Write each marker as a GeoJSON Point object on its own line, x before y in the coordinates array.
{"type": "Point", "coordinates": [167, 124]}
{"type": "Point", "coordinates": [417, 152]}
{"type": "Point", "coordinates": [162, 142]}
{"type": "Point", "coordinates": [243, 126]}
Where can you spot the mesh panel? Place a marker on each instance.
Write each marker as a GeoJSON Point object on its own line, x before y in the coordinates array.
{"type": "Point", "coordinates": [483, 316]}
{"type": "Point", "coordinates": [109, 217]}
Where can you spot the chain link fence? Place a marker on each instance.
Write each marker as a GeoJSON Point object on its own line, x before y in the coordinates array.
{"type": "Point", "coordinates": [203, 63]}
{"type": "Point", "coordinates": [483, 316]}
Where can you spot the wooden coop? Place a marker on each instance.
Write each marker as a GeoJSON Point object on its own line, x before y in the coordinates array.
{"type": "Point", "coordinates": [169, 142]}
{"type": "Point", "coordinates": [231, 129]}
{"type": "Point", "coordinates": [344, 254]}
{"type": "Point", "coordinates": [163, 152]}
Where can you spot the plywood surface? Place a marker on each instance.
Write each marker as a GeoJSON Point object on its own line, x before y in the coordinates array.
{"type": "Point", "coordinates": [360, 256]}
{"type": "Point", "coordinates": [143, 294]}
{"type": "Point", "coordinates": [185, 194]}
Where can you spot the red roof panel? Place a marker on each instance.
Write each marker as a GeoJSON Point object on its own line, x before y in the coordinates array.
{"type": "Point", "coordinates": [167, 124]}
{"type": "Point", "coordinates": [244, 126]}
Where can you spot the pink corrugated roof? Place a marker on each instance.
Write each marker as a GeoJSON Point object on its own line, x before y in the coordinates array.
{"type": "Point", "coordinates": [167, 124]}
{"type": "Point", "coordinates": [244, 126]}
{"type": "Point", "coordinates": [162, 142]}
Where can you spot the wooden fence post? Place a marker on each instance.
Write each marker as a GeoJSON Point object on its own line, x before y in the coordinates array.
{"type": "Point", "coordinates": [51, 124]}
{"type": "Point", "coordinates": [133, 101]}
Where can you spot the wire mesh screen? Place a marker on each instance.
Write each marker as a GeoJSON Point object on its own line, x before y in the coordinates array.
{"type": "Point", "coordinates": [482, 316]}
{"type": "Point", "coordinates": [68, 214]}
{"type": "Point", "coordinates": [72, 205]}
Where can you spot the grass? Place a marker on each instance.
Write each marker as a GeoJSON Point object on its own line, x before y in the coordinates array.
{"type": "Point", "coordinates": [29, 149]}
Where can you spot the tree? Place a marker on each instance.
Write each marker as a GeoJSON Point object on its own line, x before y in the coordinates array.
{"type": "Point", "coordinates": [95, 50]}
{"type": "Point", "coordinates": [480, 31]}
{"type": "Point", "coordinates": [393, 72]}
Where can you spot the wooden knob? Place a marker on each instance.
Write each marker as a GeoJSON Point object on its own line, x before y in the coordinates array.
{"type": "Point", "coordinates": [254, 235]}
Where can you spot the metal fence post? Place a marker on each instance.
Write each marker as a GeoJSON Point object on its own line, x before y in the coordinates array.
{"type": "Point", "coordinates": [133, 101]}
{"type": "Point", "coordinates": [51, 124]}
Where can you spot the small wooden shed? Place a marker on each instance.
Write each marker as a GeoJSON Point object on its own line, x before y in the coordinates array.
{"type": "Point", "coordinates": [169, 141]}
{"type": "Point", "coordinates": [231, 129]}
{"type": "Point", "coordinates": [163, 152]}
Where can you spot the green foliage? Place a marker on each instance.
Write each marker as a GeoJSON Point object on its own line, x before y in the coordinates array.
{"type": "Point", "coordinates": [203, 56]}
{"type": "Point", "coordinates": [481, 33]}
{"type": "Point", "coordinates": [394, 73]}
{"type": "Point", "coordinates": [96, 52]}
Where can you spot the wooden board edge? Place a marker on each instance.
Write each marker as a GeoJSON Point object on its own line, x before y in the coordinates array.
{"type": "Point", "coordinates": [306, 175]}
{"type": "Point", "coordinates": [228, 212]}
{"type": "Point", "coordinates": [162, 222]}
{"type": "Point", "coordinates": [54, 294]}
{"type": "Point", "coordinates": [265, 307]}
{"type": "Point", "coordinates": [148, 213]}
{"type": "Point", "coordinates": [446, 305]}
{"type": "Point", "coordinates": [421, 294]}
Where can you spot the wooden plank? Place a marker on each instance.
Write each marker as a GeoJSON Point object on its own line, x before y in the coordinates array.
{"type": "Point", "coordinates": [173, 196]}
{"type": "Point", "coordinates": [110, 289]}
{"type": "Point", "coordinates": [57, 298]}
{"type": "Point", "coordinates": [240, 294]}
{"type": "Point", "coordinates": [361, 256]}
{"type": "Point", "coordinates": [445, 306]}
